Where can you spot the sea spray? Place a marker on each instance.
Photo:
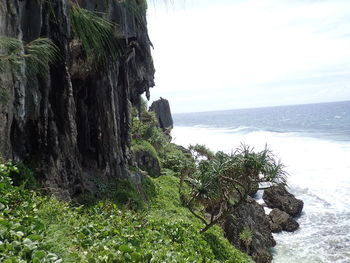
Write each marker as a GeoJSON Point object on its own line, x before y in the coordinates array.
{"type": "Point", "coordinates": [318, 164]}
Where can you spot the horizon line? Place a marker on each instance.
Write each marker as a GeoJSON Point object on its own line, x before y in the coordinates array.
{"type": "Point", "coordinates": [248, 108]}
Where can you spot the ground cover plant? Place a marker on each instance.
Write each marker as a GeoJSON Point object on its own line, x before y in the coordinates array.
{"type": "Point", "coordinates": [39, 228]}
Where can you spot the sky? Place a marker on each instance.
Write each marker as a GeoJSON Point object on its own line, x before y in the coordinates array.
{"type": "Point", "coordinates": [221, 54]}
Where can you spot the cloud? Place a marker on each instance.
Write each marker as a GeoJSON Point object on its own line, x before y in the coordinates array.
{"type": "Point", "coordinates": [221, 50]}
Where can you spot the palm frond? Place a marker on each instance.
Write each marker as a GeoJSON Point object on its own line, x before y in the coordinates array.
{"type": "Point", "coordinates": [37, 55]}
{"type": "Point", "coordinates": [9, 44]}
{"type": "Point", "coordinates": [97, 35]}
{"type": "Point", "coordinates": [135, 8]}
{"type": "Point", "coordinates": [11, 52]}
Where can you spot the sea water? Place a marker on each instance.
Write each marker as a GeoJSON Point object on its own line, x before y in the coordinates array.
{"type": "Point", "coordinates": [313, 141]}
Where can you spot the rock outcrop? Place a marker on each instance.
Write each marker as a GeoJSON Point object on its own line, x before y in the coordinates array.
{"type": "Point", "coordinates": [72, 125]}
{"type": "Point", "coordinates": [279, 197]}
{"type": "Point", "coordinates": [283, 221]}
{"type": "Point", "coordinates": [251, 215]}
{"type": "Point", "coordinates": [161, 108]}
{"type": "Point", "coordinates": [146, 161]}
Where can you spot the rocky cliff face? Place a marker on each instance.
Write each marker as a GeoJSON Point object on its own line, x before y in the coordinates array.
{"type": "Point", "coordinates": [73, 124]}
{"type": "Point", "coordinates": [250, 215]}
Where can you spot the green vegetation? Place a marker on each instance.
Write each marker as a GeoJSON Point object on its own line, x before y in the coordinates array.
{"type": "Point", "coordinates": [97, 35]}
{"type": "Point", "coordinates": [246, 236]}
{"type": "Point", "coordinates": [222, 182]}
{"type": "Point", "coordinates": [38, 55]}
{"type": "Point", "coordinates": [35, 228]}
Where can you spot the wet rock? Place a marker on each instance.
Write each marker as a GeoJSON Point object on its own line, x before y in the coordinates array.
{"type": "Point", "coordinates": [279, 197]}
{"type": "Point", "coordinates": [251, 215]}
{"type": "Point", "coordinates": [253, 189]}
{"type": "Point", "coordinates": [275, 228]}
{"type": "Point", "coordinates": [161, 108]}
{"type": "Point", "coordinates": [282, 219]}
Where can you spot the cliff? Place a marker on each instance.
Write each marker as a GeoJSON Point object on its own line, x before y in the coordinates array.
{"type": "Point", "coordinates": [73, 124]}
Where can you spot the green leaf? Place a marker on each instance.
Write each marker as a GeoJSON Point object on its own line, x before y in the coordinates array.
{"type": "Point", "coordinates": [35, 237]}
{"type": "Point", "coordinates": [97, 35]}
{"type": "Point", "coordinates": [29, 244]}
{"type": "Point", "coordinates": [39, 255]}
{"type": "Point", "coordinates": [37, 55]}
{"type": "Point", "coordinates": [125, 249]}
{"type": "Point", "coordinates": [136, 257]}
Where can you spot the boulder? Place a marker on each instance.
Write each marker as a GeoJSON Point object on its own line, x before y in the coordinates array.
{"type": "Point", "coordinates": [275, 228]}
{"type": "Point", "coordinates": [250, 215]}
{"type": "Point", "coordinates": [282, 219]}
{"type": "Point", "coordinates": [279, 197]}
{"type": "Point", "coordinates": [147, 161]}
{"type": "Point", "coordinates": [161, 108]}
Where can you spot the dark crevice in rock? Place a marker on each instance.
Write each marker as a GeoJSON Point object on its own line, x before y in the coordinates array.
{"type": "Point", "coordinates": [73, 124]}
{"type": "Point", "coordinates": [251, 216]}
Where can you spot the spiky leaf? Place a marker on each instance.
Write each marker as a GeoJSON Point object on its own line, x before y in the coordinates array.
{"type": "Point", "coordinates": [97, 35]}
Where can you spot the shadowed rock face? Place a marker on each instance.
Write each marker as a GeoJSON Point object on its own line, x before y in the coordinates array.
{"type": "Point", "coordinates": [162, 109]}
{"type": "Point", "coordinates": [283, 220]}
{"type": "Point", "coordinates": [278, 197]}
{"type": "Point", "coordinates": [251, 215]}
{"type": "Point", "coordinates": [73, 124]}
{"type": "Point", "coordinates": [147, 162]}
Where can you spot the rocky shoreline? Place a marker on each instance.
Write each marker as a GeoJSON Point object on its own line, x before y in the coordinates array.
{"type": "Point", "coordinates": [249, 218]}
{"type": "Point", "coordinates": [285, 208]}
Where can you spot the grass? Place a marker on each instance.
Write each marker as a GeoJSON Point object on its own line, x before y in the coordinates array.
{"type": "Point", "coordinates": [35, 228]}
{"type": "Point", "coordinates": [142, 145]}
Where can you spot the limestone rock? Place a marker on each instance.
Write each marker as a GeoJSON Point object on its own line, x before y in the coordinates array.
{"type": "Point", "coordinates": [73, 124]}
{"type": "Point", "coordinates": [279, 197]}
{"type": "Point", "coordinates": [251, 215]}
{"type": "Point", "coordinates": [147, 162]}
{"type": "Point", "coordinates": [282, 219]}
{"type": "Point", "coordinates": [161, 108]}
{"type": "Point", "coordinates": [275, 228]}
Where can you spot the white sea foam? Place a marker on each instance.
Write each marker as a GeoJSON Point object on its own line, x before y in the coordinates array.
{"type": "Point", "coordinates": [319, 174]}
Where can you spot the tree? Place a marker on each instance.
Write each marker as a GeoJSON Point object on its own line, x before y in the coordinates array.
{"type": "Point", "coordinates": [222, 182]}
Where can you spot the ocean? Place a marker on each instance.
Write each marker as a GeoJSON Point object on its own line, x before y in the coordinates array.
{"type": "Point", "coordinates": [313, 141]}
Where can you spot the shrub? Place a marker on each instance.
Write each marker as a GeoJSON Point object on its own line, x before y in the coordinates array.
{"type": "Point", "coordinates": [142, 145]}
{"type": "Point", "coordinates": [246, 236]}
{"type": "Point", "coordinates": [34, 228]}
{"type": "Point", "coordinates": [223, 181]}
{"type": "Point", "coordinates": [20, 175]}
{"type": "Point", "coordinates": [175, 159]}
{"type": "Point", "coordinates": [21, 229]}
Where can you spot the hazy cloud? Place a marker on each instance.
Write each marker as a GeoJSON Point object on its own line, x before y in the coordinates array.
{"type": "Point", "coordinates": [213, 55]}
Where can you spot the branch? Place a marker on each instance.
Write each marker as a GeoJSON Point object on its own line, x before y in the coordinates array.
{"type": "Point", "coordinates": [225, 213]}
{"type": "Point", "coordinates": [194, 213]}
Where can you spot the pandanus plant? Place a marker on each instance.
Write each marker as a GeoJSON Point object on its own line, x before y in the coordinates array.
{"type": "Point", "coordinates": [223, 182]}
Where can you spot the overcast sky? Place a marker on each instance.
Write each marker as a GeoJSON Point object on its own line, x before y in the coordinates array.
{"type": "Point", "coordinates": [216, 55]}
